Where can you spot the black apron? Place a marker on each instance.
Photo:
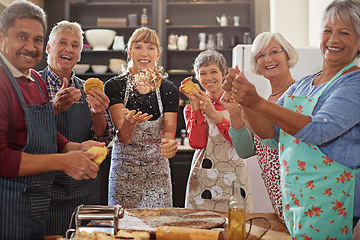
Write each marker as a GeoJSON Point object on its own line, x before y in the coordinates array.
{"type": "Point", "coordinates": [25, 200]}
{"type": "Point", "coordinates": [66, 192]}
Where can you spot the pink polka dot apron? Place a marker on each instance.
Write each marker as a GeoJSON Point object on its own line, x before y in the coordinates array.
{"type": "Point", "coordinates": [212, 172]}
{"type": "Point", "coordinates": [318, 193]}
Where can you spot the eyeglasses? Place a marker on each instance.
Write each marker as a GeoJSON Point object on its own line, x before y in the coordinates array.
{"type": "Point", "coordinates": [273, 53]}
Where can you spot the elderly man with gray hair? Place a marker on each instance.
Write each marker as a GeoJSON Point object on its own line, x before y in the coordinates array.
{"type": "Point", "coordinates": [30, 148]}
{"type": "Point", "coordinates": [79, 117]}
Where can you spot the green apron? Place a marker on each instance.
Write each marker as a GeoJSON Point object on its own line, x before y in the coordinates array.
{"type": "Point", "coordinates": [318, 193]}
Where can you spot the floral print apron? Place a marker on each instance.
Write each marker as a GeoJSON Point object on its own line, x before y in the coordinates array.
{"type": "Point", "coordinates": [212, 172]}
{"type": "Point", "coordinates": [318, 193]}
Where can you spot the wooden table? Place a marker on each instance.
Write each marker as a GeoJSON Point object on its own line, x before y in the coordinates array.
{"type": "Point", "coordinates": [277, 230]}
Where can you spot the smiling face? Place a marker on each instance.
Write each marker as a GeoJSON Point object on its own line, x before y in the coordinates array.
{"type": "Point", "coordinates": [144, 56]}
{"type": "Point", "coordinates": [64, 53]}
{"type": "Point", "coordinates": [272, 61]}
{"type": "Point", "coordinates": [211, 79]}
{"type": "Point", "coordinates": [339, 43]}
{"type": "Point", "coordinates": [23, 44]}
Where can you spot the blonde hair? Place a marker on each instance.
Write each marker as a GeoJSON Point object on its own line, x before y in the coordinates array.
{"type": "Point", "coordinates": [146, 35]}
{"type": "Point", "coordinates": [263, 40]}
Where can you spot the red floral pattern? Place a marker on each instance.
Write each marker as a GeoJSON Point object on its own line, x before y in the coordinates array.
{"type": "Point", "coordinates": [268, 159]}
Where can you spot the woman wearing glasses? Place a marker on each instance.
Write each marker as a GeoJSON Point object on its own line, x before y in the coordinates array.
{"type": "Point", "coordinates": [271, 56]}
{"type": "Point", "coordinates": [317, 123]}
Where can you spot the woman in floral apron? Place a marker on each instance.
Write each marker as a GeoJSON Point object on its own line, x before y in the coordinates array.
{"type": "Point", "coordinates": [272, 56]}
{"type": "Point", "coordinates": [319, 140]}
{"type": "Point", "coordinates": [143, 108]}
{"type": "Point", "coordinates": [215, 163]}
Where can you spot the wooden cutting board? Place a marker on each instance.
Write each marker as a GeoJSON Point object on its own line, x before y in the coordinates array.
{"type": "Point", "coordinates": [149, 219]}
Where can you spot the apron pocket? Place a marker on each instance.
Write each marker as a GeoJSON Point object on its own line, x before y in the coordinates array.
{"type": "Point", "coordinates": [40, 198]}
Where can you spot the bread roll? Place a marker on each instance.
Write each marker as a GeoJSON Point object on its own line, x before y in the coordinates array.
{"type": "Point", "coordinates": [93, 84]}
{"type": "Point", "coordinates": [102, 152]}
{"type": "Point", "coordinates": [190, 87]}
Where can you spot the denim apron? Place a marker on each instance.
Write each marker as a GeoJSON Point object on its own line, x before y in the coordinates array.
{"type": "Point", "coordinates": [139, 176]}
{"type": "Point", "coordinates": [318, 193]}
{"type": "Point", "coordinates": [27, 199]}
{"type": "Point", "coordinates": [67, 193]}
{"type": "Point", "coordinates": [212, 172]}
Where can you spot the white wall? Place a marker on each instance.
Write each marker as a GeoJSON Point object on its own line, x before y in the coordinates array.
{"type": "Point", "coordinates": [316, 8]}
{"type": "Point", "coordinates": [297, 20]}
{"type": "Point", "coordinates": [290, 18]}
{"type": "Point", "coordinates": [262, 16]}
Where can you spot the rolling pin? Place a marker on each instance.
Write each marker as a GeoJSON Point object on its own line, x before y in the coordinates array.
{"type": "Point", "coordinates": [182, 233]}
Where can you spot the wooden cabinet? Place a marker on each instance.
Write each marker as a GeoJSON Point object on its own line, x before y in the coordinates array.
{"type": "Point", "coordinates": [87, 13]}
{"type": "Point", "coordinates": [193, 17]}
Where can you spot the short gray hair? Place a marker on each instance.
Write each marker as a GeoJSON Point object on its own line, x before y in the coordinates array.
{"type": "Point", "coordinates": [21, 9]}
{"type": "Point", "coordinates": [263, 40]}
{"type": "Point", "coordinates": [207, 57]}
{"type": "Point", "coordinates": [66, 26]}
{"type": "Point", "coordinates": [346, 10]}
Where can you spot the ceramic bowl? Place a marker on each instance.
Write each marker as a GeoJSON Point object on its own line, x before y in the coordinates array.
{"type": "Point", "coordinates": [81, 68]}
{"type": "Point", "coordinates": [100, 39]}
{"type": "Point", "coordinates": [117, 65]}
{"type": "Point", "coordinates": [99, 69]}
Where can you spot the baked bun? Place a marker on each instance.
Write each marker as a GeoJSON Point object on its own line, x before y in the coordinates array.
{"type": "Point", "coordinates": [190, 87]}
{"type": "Point", "coordinates": [102, 152]}
{"type": "Point", "coordinates": [93, 84]}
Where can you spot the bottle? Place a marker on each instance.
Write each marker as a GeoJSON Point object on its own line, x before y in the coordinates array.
{"type": "Point", "coordinates": [236, 213]}
{"type": "Point", "coordinates": [144, 18]}
{"type": "Point", "coordinates": [247, 38]}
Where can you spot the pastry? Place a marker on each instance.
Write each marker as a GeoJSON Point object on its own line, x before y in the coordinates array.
{"type": "Point", "coordinates": [190, 87]}
{"type": "Point", "coordinates": [131, 234]}
{"type": "Point", "coordinates": [93, 84]}
{"type": "Point", "coordinates": [102, 152]}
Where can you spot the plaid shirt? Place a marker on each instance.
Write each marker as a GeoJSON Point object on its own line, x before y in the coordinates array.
{"type": "Point", "coordinates": [53, 83]}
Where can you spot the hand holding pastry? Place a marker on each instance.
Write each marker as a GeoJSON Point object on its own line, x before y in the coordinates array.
{"type": "Point", "coordinates": [98, 102]}
{"type": "Point", "coordinates": [102, 153]}
{"type": "Point", "coordinates": [169, 148]}
{"type": "Point", "coordinates": [188, 87]}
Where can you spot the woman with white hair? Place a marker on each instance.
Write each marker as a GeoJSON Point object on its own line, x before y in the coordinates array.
{"type": "Point", "coordinates": [317, 124]}
{"type": "Point", "coordinates": [271, 56]}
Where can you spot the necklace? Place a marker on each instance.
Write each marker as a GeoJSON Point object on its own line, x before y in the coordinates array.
{"type": "Point", "coordinates": [273, 94]}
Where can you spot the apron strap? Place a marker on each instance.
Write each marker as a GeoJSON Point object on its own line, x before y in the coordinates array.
{"type": "Point", "coordinates": [158, 95]}
{"type": "Point", "coordinates": [347, 67]}
{"type": "Point", "coordinates": [16, 86]}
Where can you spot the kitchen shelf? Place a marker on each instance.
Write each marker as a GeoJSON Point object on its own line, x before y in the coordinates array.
{"type": "Point", "coordinates": [209, 2]}
{"type": "Point", "coordinates": [166, 17]}
{"type": "Point", "coordinates": [207, 26]}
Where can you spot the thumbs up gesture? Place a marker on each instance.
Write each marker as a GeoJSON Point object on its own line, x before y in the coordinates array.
{"type": "Point", "coordinates": [65, 97]}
